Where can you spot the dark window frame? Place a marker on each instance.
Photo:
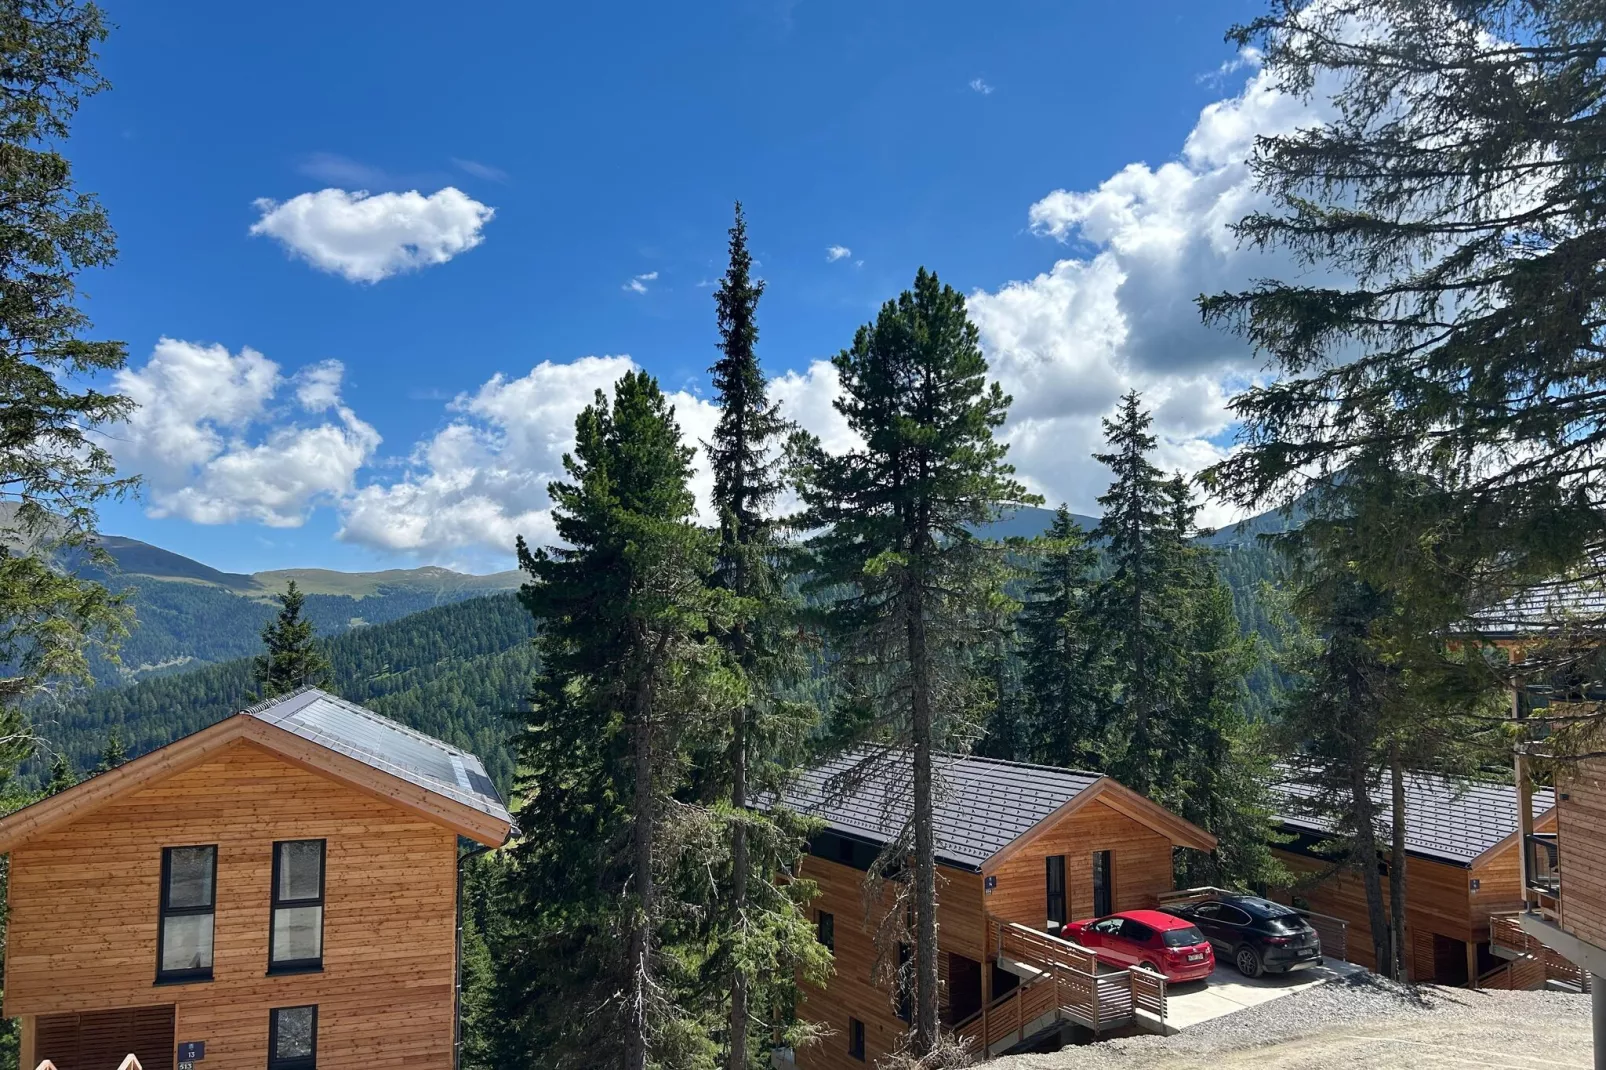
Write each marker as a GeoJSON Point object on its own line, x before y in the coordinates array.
{"type": "Point", "coordinates": [825, 929]}
{"type": "Point", "coordinates": [277, 904]}
{"type": "Point", "coordinates": [291, 1062]}
{"type": "Point", "coordinates": [1103, 883]}
{"type": "Point", "coordinates": [1054, 866]}
{"type": "Point", "coordinates": [855, 1039]}
{"type": "Point", "coordinates": [164, 911]}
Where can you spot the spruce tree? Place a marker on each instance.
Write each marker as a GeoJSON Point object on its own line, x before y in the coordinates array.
{"type": "Point", "coordinates": [294, 658]}
{"type": "Point", "coordinates": [908, 584]}
{"type": "Point", "coordinates": [62, 776]}
{"type": "Point", "coordinates": [1446, 310]}
{"type": "Point", "coordinates": [1063, 670]}
{"type": "Point", "coordinates": [766, 937]}
{"type": "Point", "coordinates": [606, 944]}
{"type": "Point", "coordinates": [113, 753]}
{"type": "Point", "coordinates": [1139, 533]}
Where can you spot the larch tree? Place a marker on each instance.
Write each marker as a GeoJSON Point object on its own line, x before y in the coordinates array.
{"type": "Point", "coordinates": [1447, 311]}
{"type": "Point", "coordinates": [766, 936]}
{"type": "Point", "coordinates": [294, 659]}
{"type": "Point", "coordinates": [629, 681]}
{"type": "Point", "coordinates": [907, 585]}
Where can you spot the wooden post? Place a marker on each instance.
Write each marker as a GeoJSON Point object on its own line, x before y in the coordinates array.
{"type": "Point", "coordinates": [1093, 998]}
{"type": "Point", "coordinates": [1472, 965]}
{"type": "Point", "coordinates": [1525, 796]}
{"type": "Point", "coordinates": [987, 968]}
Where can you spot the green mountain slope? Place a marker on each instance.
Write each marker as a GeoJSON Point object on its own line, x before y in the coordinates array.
{"type": "Point", "coordinates": [453, 671]}
{"type": "Point", "coordinates": [189, 614]}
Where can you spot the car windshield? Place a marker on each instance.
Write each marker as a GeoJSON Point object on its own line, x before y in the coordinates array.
{"type": "Point", "coordinates": [1183, 937]}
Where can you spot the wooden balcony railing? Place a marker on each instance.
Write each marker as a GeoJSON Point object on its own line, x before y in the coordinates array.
{"type": "Point", "coordinates": [129, 1063]}
{"type": "Point", "coordinates": [1507, 934]}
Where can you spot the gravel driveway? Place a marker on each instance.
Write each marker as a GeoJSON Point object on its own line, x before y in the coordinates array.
{"type": "Point", "coordinates": [1366, 1023]}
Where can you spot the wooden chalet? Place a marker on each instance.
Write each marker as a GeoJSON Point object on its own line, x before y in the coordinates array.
{"type": "Point", "coordinates": [1462, 866]}
{"type": "Point", "coordinates": [276, 891]}
{"type": "Point", "coordinates": [1021, 849]}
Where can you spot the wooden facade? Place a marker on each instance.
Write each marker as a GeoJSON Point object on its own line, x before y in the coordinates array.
{"type": "Point", "coordinates": [1581, 834]}
{"type": "Point", "coordinates": [85, 893]}
{"type": "Point", "coordinates": [1012, 886]}
{"type": "Point", "coordinates": [1447, 906]}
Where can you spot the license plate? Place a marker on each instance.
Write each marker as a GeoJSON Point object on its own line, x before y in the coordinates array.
{"type": "Point", "coordinates": [1196, 958]}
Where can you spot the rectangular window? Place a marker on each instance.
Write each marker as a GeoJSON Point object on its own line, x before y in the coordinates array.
{"type": "Point", "coordinates": [293, 1038]}
{"type": "Point", "coordinates": [1103, 885]}
{"type": "Point", "coordinates": [826, 930]}
{"type": "Point", "coordinates": [1056, 890]}
{"type": "Point", "coordinates": [296, 939]}
{"type": "Point", "coordinates": [189, 901]}
{"type": "Point", "coordinates": [856, 1039]}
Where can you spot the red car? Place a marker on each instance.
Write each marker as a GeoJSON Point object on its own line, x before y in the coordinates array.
{"type": "Point", "coordinates": [1164, 943]}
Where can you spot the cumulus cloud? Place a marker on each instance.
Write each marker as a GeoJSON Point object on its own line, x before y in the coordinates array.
{"type": "Point", "coordinates": [368, 237]}
{"type": "Point", "coordinates": [638, 284]}
{"type": "Point", "coordinates": [481, 480]}
{"type": "Point", "coordinates": [216, 445]}
{"type": "Point", "coordinates": [977, 85]}
{"type": "Point", "coordinates": [834, 253]}
{"type": "Point", "coordinates": [1121, 314]}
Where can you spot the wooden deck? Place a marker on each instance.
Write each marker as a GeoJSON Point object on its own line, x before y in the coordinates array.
{"type": "Point", "coordinates": [1061, 984]}
{"type": "Point", "coordinates": [1530, 964]}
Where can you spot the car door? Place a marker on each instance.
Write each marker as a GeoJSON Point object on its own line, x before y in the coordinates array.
{"type": "Point", "coordinates": [1234, 926]}
{"type": "Point", "coordinates": [1208, 917]}
{"type": "Point", "coordinates": [1133, 945]}
{"type": "Point", "coordinates": [1103, 935]}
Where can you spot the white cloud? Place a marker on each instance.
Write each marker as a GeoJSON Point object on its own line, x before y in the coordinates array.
{"type": "Point", "coordinates": [368, 237]}
{"type": "Point", "coordinates": [481, 480]}
{"type": "Point", "coordinates": [979, 86]}
{"type": "Point", "coordinates": [639, 283]}
{"type": "Point", "coordinates": [215, 449]}
{"type": "Point", "coordinates": [1068, 342]}
{"type": "Point", "coordinates": [480, 170]}
{"type": "Point", "coordinates": [837, 252]}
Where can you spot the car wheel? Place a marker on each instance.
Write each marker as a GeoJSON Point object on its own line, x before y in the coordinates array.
{"type": "Point", "coordinates": [1248, 962]}
{"type": "Point", "coordinates": [1152, 968]}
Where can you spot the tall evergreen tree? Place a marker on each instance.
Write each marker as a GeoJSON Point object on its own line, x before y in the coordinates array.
{"type": "Point", "coordinates": [627, 683]}
{"type": "Point", "coordinates": [1447, 310]}
{"type": "Point", "coordinates": [113, 753]}
{"type": "Point", "coordinates": [294, 658]}
{"type": "Point", "coordinates": [766, 936]}
{"type": "Point", "coordinates": [62, 776]}
{"type": "Point", "coordinates": [909, 582]}
{"type": "Point", "coordinates": [1063, 671]}
{"type": "Point", "coordinates": [1139, 532]}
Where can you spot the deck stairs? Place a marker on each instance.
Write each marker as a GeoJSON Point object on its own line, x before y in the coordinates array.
{"type": "Point", "coordinates": [1529, 964]}
{"type": "Point", "coordinates": [1061, 985]}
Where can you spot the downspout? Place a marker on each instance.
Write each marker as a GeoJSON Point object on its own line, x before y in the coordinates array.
{"type": "Point", "coordinates": [457, 987]}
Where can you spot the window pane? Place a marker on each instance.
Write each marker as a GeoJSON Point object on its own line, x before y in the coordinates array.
{"type": "Point", "coordinates": [187, 942]}
{"type": "Point", "coordinates": [189, 876]}
{"type": "Point", "coordinates": [300, 869]}
{"type": "Point", "coordinates": [292, 1032]}
{"type": "Point", "coordinates": [297, 934]}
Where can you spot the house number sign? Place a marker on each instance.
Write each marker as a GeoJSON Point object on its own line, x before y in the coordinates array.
{"type": "Point", "coordinates": [191, 1052]}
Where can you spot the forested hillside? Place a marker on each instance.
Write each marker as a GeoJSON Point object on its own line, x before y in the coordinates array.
{"type": "Point", "coordinates": [452, 671]}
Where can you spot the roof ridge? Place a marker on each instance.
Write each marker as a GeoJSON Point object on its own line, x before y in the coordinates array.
{"type": "Point", "coordinates": [1020, 765]}
{"type": "Point", "coordinates": [363, 712]}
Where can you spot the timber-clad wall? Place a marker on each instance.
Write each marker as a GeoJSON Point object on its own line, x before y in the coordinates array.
{"type": "Point", "coordinates": [1582, 838]}
{"type": "Point", "coordinates": [1141, 870]}
{"type": "Point", "coordinates": [84, 902]}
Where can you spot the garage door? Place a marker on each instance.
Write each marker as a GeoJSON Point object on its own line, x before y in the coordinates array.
{"type": "Point", "coordinates": [103, 1039]}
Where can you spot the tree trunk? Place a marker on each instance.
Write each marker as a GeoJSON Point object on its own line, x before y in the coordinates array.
{"type": "Point", "coordinates": [1367, 856]}
{"type": "Point", "coordinates": [642, 836]}
{"type": "Point", "coordinates": [1397, 862]}
{"type": "Point", "coordinates": [739, 878]}
{"type": "Point", "coordinates": [924, 1035]}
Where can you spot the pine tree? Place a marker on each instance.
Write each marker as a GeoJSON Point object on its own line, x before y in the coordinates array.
{"type": "Point", "coordinates": [766, 935]}
{"type": "Point", "coordinates": [294, 658]}
{"type": "Point", "coordinates": [1063, 672]}
{"type": "Point", "coordinates": [1446, 313]}
{"type": "Point", "coordinates": [62, 776]}
{"type": "Point", "coordinates": [628, 686]}
{"type": "Point", "coordinates": [910, 586]}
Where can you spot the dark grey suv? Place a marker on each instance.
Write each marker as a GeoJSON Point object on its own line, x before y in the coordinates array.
{"type": "Point", "coordinates": [1254, 934]}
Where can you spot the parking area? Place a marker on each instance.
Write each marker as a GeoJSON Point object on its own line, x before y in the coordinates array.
{"type": "Point", "coordinates": [1227, 991]}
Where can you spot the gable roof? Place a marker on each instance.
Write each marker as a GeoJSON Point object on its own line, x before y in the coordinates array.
{"type": "Point", "coordinates": [319, 732]}
{"type": "Point", "coordinates": [1447, 819]}
{"type": "Point", "coordinates": [984, 806]}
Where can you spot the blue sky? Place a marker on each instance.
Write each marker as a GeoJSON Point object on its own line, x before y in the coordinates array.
{"type": "Point", "coordinates": [547, 157]}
